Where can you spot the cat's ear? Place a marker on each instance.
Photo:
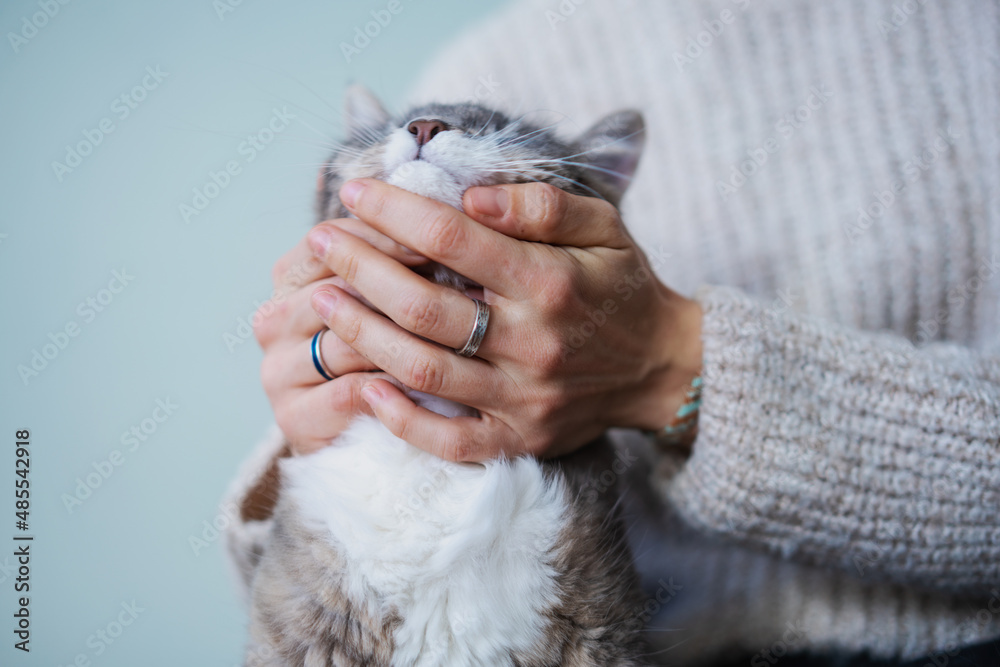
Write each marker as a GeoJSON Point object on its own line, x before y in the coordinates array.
{"type": "Point", "coordinates": [363, 111]}
{"type": "Point", "coordinates": [613, 146]}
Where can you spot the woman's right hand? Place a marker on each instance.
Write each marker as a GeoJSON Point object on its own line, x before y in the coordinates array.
{"type": "Point", "coordinates": [308, 409]}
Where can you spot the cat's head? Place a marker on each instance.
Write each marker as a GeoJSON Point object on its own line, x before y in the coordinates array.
{"type": "Point", "coordinates": [440, 150]}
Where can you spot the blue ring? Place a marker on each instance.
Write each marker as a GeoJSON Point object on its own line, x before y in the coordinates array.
{"type": "Point", "coordinates": [317, 362]}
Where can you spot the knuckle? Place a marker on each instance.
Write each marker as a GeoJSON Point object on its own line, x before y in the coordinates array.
{"type": "Point", "coordinates": [549, 355]}
{"type": "Point", "coordinates": [421, 313]}
{"type": "Point", "coordinates": [269, 374]}
{"type": "Point", "coordinates": [400, 427]}
{"type": "Point", "coordinates": [349, 268]}
{"type": "Point", "coordinates": [263, 325]}
{"type": "Point", "coordinates": [260, 332]}
{"type": "Point", "coordinates": [537, 445]}
{"type": "Point", "coordinates": [286, 421]}
{"type": "Point", "coordinates": [535, 449]}
{"type": "Point", "coordinates": [369, 207]}
{"type": "Point", "coordinates": [445, 237]}
{"type": "Point", "coordinates": [350, 331]}
{"type": "Point", "coordinates": [548, 405]}
{"type": "Point", "coordinates": [298, 274]}
{"type": "Point", "coordinates": [343, 399]}
{"type": "Point", "coordinates": [278, 271]}
{"type": "Point", "coordinates": [458, 447]}
{"type": "Point", "coordinates": [610, 219]}
{"type": "Point", "coordinates": [550, 205]}
{"type": "Point", "coordinates": [289, 272]}
{"type": "Point", "coordinates": [423, 375]}
{"type": "Point", "coordinates": [605, 211]}
{"type": "Point", "coordinates": [560, 289]}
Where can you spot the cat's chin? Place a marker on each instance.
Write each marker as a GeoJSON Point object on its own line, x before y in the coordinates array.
{"type": "Point", "coordinates": [428, 180]}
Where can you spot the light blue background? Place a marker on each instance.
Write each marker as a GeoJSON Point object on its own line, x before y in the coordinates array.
{"type": "Point", "coordinates": [162, 336]}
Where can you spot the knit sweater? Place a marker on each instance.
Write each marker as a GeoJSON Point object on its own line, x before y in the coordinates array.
{"type": "Point", "coordinates": [824, 178]}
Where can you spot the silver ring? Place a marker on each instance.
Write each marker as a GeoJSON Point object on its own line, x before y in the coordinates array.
{"type": "Point", "coordinates": [317, 356]}
{"type": "Point", "coordinates": [478, 330]}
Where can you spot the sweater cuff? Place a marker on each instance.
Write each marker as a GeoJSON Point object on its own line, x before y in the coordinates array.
{"type": "Point", "coordinates": [843, 448]}
{"type": "Point", "coordinates": [724, 485]}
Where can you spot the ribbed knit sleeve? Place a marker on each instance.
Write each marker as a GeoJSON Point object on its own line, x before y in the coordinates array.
{"type": "Point", "coordinates": [846, 448]}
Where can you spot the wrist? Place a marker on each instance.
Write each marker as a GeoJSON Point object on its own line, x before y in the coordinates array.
{"type": "Point", "coordinates": [667, 391]}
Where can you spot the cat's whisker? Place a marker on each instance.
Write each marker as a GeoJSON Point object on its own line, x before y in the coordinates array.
{"type": "Point", "coordinates": [604, 146]}
{"type": "Point", "coordinates": [584, 165]}
{"type": "Point", "coordinates": [307, 165]}
{"type": "Point", "coordinates": [666, 650]}
{"type": "Point", "coordinates": [541, 174]}
{"type": "Point", "coordinates": [652, 629]}
{"type": "Point", "coordinates": [500, 136]}
{"type": "Point", "coordinates": [348, 151]}
{"type": "Point", "coordinates": [488, 120]}
{"type": "Point", "coordinates": [522, 139]}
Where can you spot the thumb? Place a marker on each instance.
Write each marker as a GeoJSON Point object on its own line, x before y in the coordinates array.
{"type": "Point", "coordinates": [543, 213]}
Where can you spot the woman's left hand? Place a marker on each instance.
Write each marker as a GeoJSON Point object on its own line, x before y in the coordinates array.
{"type": "Point", "coordinates": [582, 336]}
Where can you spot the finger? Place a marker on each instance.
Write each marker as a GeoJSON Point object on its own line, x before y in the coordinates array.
{"type": "Point", "coordinates": [439, 232]}
{"type": "Point", "coordinates": [416, 363]}
{"type": "Point", "coordinates": [292, 366]}
{"type": "Point", "coordinates": [432, 311]}
{"type": "Point", "coordinates": [301, 318]}
{"type": "Point", "coordinates": [297, 267]}
{"type": "Point", "coordinates": [313, 417]}
{"type": "Point", "coordinates": [377, 240]}
{"type": "Point", "coordinates": [339, 357]}
{"type": "Point", "coordinates": [301, 264]}
{"type": "Point", "coordinates": [291, 316]}
{"type": "Point", "coordinates": [542, 212]}
{"type": "Point", "coordinates": [453, 439]}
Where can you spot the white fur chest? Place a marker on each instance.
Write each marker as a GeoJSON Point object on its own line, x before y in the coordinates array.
{"type": "Point", "coordinates": [460, 551]}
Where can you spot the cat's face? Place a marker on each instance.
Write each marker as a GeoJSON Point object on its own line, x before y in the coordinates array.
{"type": "Point", "coordinates": [440, 150]}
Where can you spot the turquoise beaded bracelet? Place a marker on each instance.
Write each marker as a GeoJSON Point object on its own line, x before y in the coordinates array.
{"type": "Point", "coordinates": [682, 429]}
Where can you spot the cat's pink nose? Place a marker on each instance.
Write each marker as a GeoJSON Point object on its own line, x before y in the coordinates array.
{"type": "Point", "coordinates": [425, 130]}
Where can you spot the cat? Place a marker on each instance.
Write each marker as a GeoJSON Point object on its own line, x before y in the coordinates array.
{"type": "Point", "coordinates": [382, 554]}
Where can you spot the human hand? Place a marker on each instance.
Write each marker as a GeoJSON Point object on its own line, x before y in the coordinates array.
{"type": "Point", "coordinates": [547, 261]}
{"type": "Point", "coordinates": [309, 410]}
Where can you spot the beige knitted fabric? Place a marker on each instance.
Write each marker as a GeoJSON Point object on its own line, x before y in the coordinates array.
{"type": "Point", "coordinates": [836, 166]}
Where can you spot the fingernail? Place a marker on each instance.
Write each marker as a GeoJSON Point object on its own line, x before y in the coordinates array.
{"type": "Point", "coordinates": [371, 394]}
{"type": "Point", "coordinates": [349, 193]}
{"type": "Point", "coordinates": [489, 201]}
{"type": "Point", "coordinates": [323, 303]}
{"type": "Point", "coordinates": [320, 239]}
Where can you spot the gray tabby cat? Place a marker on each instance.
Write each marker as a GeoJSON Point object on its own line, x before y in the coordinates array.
{"type": "Point", "coordinates": [381, 554]}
